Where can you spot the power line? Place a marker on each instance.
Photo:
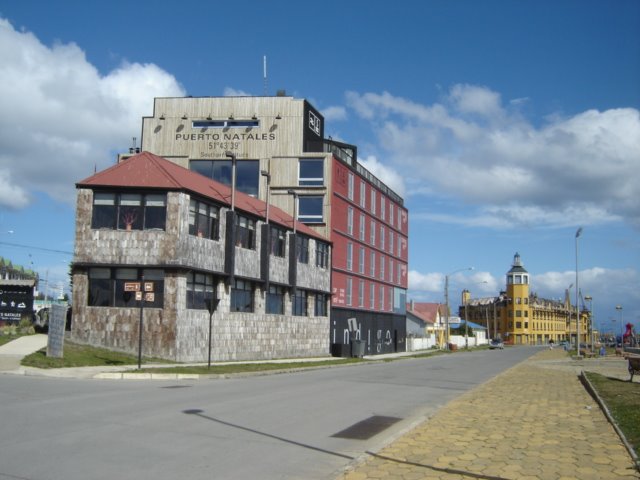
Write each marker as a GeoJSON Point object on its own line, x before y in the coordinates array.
{"type": "Point", "coordinates": [36, 248]}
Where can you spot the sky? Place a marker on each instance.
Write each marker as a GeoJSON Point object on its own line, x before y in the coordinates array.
{"type": "Point", "coordinates": [506, 126]}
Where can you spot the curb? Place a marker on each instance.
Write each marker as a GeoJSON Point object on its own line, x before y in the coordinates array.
{"type": "Point", "coordinates": [592, 391]}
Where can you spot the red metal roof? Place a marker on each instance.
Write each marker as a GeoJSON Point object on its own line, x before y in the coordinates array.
{"type": "Point", "coordinates": [427, 312]}
{"type": "Point", "coordinates": [146, 170]}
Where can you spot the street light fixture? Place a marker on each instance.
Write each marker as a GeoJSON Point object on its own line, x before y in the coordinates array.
{"type": "Point", "coordinates": [446, 297]}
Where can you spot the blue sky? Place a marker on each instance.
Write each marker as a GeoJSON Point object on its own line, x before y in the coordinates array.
{"type": "Point", "coordinates": [505, 125]}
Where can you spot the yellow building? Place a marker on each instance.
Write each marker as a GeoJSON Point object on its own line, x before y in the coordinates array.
{"type": "Point", "coordinates": [520, 317]}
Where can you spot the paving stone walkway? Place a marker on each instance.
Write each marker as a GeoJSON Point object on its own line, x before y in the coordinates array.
{"type": "Point", "coordinates": [535, 421]}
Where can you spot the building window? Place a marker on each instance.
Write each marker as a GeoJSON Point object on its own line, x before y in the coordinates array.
{"type": "Point", "coordinates": [391, 235]}
{"type": "Point", "coordinates": [322, 254]}
{"type": "Point", "coordinates": [242, 296]}
{"type": "Point", "coordinates": [320, 309]}
{"type": "Point", "coordinates": [275, 300]}
{"type": "Point", "coordinates": [119, 287]}
{"type": "Point", "coordinates": [383, 236]}
{"type": "Point", "coordinates": [203, 220]}
{"type": "Point", "coordinates": [373, 201]}
{"type": "Point", "coordinates": [362, 227]}
{"type": "Point", "coordinates": [372, 295]}
{"type": "Point", "coordinates": [372, 240]}
{"type": "Point", "coordinates": [245, 232]}
{"type": "Point", "coordinates": [372, 265]}
{"type": "Point", "coordinates": [310, 208]}
{"type": "Point", "coordinates": [349, 290]}
{"type": "Point", "coordinates": [382, 262]}
{"type": "Point", "coordinates": [361, 293]}
{"type": "Point", "coordinates": [382, 297]}
{"type": "Point", "coordinates": [200, 288]}
{"type": "Point", "coordinates": [299, 303]}
{"type": "Point", "coordinates": [518, 313]}
{"type": "Point", "coordinates": [351, 186]}
{"type": "Point", "coordinates": [311, 172]}
{"type": "Point", "coordinates": [361, 261]}
{"type": "Point", "coordinates": [392, 207]}
{"type": "Point", "coordinates": [247, 173]}
{"type": "Point", "coordinates": [349, 256]}
{"type": "Point", "coordinates": [390, 269]}
{"type": "Point", "coordinates": [129, 211]}
{"type": "Point", "coordinates": [278, 242]}
{"type": "Point", "coordinates": [350, 221]}
{"type": "Point", "coordinates": [302, 248]}
{"type": "Point", "coordinates": [383, 209]}
{"type": "Point", "coordinates": [363, 193]}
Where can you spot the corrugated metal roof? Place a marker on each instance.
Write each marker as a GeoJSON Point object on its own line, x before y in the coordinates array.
{"type": "Point", "coordinates": [427, 312]}
{"type": "Point", "coordinates": [146, 170]}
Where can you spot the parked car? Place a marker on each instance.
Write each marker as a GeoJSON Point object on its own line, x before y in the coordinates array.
{"type": "Point", "coordinates": [496, 343]}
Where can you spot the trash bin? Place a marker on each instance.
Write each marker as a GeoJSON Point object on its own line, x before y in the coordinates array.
{"type": "Point", "coordinates": [453, 347]}
{"type": "Point", "coordinates": [357, 348]}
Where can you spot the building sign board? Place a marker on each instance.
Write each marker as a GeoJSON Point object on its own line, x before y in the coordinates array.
{"type": "Point", "coordinates": [15, 301]}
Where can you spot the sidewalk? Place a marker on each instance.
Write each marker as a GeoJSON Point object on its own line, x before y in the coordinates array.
{"type": "Point", "coordinates": [12, 353]}
{"type": "Point", "coordinates": [533, 422]}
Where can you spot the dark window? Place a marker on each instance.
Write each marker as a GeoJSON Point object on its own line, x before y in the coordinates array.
{"type": "Point", "coordinates": [310, 208]}
{"type": "Point", "coordinates": [225, 123]}
{"type": "Point", "coordinates": [320, 305]}
{"type": "Point", "coordinates": [115, 287]}
{"type": "Point", "coordinates": [299, 303]}
{"type": "Point", "coordinates": [100, 287]}
{"type": "Point", "coordinates": [242, 296]}
{"type": "Point", "coordinates": [322, 254]}
{"type": "Point", "coordinates": [203, 220]}
{"type": "Point", "coordinates": [200, 287]}
{"type": "Point", "coordinates": [311, 171]}
{"type": "Point", "coordinates": [245, 232]}
{"type": "Point", "coordinates": [104, 210]}
{"type": "Point", "coordinates": [277, 246]}
{"type": "Point", "coordinates": [275, 300]}
{"type": "Point", "coordinates": [129, 211]}
{"type": "Point", "coordinates": [247, 173]}
{"type": "Point", "coordinates": [302, 248]}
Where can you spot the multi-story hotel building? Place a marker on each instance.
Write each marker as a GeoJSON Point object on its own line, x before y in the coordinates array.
{"type": "Point", "coordinates": [521, 317]}
{"type": "Point", "coordinates": [276, 150]}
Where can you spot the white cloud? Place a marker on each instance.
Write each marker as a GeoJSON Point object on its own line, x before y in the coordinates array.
{"type": "Point", "coordinates": [478, 283]}
{"type": "Point", "coordinates": [387, 175]}
{"type": "Point", "coordinates": [470, 147]}
{"type": "Point", "coordinates": [232, 92]}
{"type": "Point", "coordinates": [61, 117]}
{"type": "Point", "coordinates": [335, 113]}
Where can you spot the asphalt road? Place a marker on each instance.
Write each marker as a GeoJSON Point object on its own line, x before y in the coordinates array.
{"type": "Point", "coordinates": [284, 426]}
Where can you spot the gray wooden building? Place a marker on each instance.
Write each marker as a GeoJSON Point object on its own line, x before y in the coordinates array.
{"type": "Point", "coordinates": [152, 234]}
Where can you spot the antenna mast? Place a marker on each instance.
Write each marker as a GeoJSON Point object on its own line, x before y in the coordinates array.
{"type": "Point", "coordinates": [264, 73]}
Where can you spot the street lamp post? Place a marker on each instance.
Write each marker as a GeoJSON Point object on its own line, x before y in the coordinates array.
{"type": "Point", "coordinates": [619, 308]}
{"type": "Point", "coordinates": [232, 156]}
{"type": "Point", "coordinates": [578, 233]}
{"type": "Point", "coordinates": [589, 299]}
{"type": "Point", "coordinates": [446, 298]}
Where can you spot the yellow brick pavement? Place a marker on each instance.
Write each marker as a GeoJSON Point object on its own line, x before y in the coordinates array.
{"type": "Point", "coordinates": [532, 422]}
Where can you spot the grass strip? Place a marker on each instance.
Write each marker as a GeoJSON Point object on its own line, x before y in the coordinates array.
{"type": "Point", "coordinates": [76, 355]}
{"type": "Point", "coordinates": [245, 367]}
{"type": "Point", "coordinates": [622, 398]}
